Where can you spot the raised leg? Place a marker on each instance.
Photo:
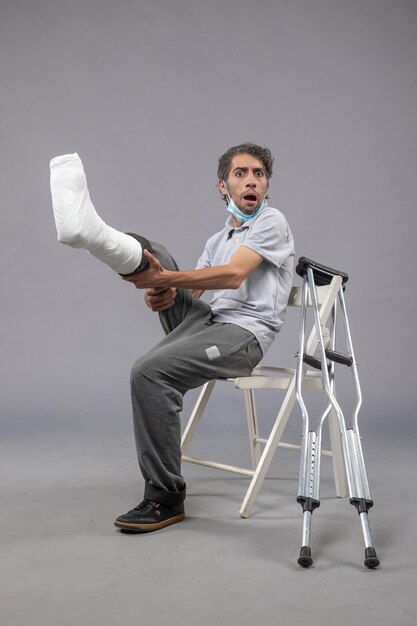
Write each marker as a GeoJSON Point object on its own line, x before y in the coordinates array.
{"type": "Point", "coordinates": [78, 224]}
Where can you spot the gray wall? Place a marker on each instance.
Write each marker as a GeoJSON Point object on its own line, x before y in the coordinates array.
{"type": "Point", "coordinates": [150, 92]}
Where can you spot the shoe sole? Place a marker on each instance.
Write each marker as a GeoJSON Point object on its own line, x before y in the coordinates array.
{"type": "Point", "coordinates": [147, 528]}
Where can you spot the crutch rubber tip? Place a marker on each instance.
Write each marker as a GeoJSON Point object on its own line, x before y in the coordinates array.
{"type": "Point", "coordinates": [371, 560]}
{"type": "Point", "coordinates": [305, 559]}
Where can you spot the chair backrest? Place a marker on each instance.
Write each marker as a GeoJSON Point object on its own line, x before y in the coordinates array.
{"type": "Point", "coordinates": [296, 294]}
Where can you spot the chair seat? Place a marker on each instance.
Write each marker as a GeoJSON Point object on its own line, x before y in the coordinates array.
{"type": "Point", "coordinates": [277, 378]}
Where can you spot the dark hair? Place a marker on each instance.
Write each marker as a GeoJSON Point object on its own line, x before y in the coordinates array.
{"type": "Point", "coordinates": [258, 152]}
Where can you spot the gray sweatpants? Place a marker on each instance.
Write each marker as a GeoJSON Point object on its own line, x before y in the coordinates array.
{"type": "Point", "coordinates": [194, 350]}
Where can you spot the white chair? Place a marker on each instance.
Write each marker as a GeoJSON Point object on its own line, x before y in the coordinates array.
{"type": "Point", "coordinates": [265, 377]}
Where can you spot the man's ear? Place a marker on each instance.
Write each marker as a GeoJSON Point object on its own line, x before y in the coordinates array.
{"type": "Point", "coordinates": [222, 188]}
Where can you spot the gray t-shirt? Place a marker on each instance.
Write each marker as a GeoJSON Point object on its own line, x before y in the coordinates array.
{"type": "Point", "coordinates": [260, 302]}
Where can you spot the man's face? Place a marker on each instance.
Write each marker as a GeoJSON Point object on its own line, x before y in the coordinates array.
{"type": "Point", "coordinates": [246, 183]}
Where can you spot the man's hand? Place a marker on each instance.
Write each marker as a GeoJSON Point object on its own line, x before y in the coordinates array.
{"type": "Point", "coordinates": [160, 299]}
{"type": "Point", "coordinates": [152, 277]}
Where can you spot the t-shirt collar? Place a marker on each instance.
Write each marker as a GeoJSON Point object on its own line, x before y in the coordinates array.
{"type": "Point", "coordinates": [231, 228]}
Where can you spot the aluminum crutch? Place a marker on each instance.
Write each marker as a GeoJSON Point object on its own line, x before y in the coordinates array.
{"type": "Point", "coordinates": [359, 492]}
{"type": "Point", "coordinates": [309, 474]}
{"type": "Point", "coordinates": [358, 487]}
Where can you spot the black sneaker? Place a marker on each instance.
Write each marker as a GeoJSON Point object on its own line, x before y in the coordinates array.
{"type": "Point", "coordinates": [149, 515]}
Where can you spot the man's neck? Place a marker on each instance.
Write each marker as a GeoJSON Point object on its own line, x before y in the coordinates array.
{"type": "Point", "coordinates": [236, 223]}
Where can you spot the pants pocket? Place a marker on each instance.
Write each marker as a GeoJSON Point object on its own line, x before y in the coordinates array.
{"type": "Point", "coordinates": [241, 353]}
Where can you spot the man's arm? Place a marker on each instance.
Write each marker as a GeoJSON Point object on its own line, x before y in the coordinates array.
{"type": "Point", "coordinates": [229, 276]}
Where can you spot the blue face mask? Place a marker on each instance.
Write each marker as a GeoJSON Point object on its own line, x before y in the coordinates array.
{"type": "Point", "coordinates": [242, 217]}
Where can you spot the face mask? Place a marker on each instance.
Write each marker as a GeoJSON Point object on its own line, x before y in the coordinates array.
{"type": "Point", "coordinates": [242, 217]}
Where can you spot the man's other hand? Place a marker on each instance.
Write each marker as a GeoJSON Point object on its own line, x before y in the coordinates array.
{"type": "Point", "coordinates": [160, 299]}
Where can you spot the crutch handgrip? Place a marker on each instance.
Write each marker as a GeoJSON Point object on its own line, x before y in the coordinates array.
{"type": "Point", "coordinates": [338, 357]}
{"type": "Point", "coordinates": [312, 361]}
{"type": "Point", "coordinates": [332, 355]}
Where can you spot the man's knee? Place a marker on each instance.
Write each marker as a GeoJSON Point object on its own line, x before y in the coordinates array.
{"type": "Point", "coordinates": [147, 371]}
{"type": "Point", "coordinates": [139, 369]}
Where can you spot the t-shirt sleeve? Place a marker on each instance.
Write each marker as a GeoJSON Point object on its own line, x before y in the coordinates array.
{"type": "Point", "coordinates": [271, 237]}
{"type": "Point", "coordinates": [204, 260]}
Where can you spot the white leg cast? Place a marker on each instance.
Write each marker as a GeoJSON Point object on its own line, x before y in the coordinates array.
{"type": "Point", "coordinates": [78, 224]}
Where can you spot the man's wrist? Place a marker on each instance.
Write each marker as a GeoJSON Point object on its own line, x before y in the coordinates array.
{"type": "Point", "coordinates": [166, 279]}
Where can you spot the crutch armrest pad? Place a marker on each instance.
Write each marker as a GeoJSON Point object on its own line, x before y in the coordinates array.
{"type": "Point", "coordinates": [322, 273]}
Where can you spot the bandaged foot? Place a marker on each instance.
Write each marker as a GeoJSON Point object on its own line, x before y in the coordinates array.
{"type": "Point", "coordinates": [78, 224]}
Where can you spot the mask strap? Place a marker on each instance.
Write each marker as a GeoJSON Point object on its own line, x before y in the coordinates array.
{"type": "Point", "coordinates": [229, 198]}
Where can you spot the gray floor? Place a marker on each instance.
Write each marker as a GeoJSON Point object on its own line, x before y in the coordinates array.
{"type": "Point", "coordinates": [63, 563]}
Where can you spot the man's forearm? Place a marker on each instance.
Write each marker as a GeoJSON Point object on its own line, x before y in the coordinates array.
{"type": "Point", "coordinates": [228, 276]}
{"type": "Point", "coordinates": [217, 277]}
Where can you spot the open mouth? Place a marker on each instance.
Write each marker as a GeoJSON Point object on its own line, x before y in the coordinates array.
{"type": "Point", "coordinates": [250, 197]}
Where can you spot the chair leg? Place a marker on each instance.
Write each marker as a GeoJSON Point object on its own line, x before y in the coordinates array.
{"type": "Point", "coordinates": [269, 451]}
{"type": "Point", "coordinates": [255, 446]}
{"type": "Point", "coordinates": [195, 417]}
{"type": "Point", "coordinates": [337, 455]}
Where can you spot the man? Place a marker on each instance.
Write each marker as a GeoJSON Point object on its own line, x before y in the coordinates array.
{"type": "Point", "coordinates": [248, 265]}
